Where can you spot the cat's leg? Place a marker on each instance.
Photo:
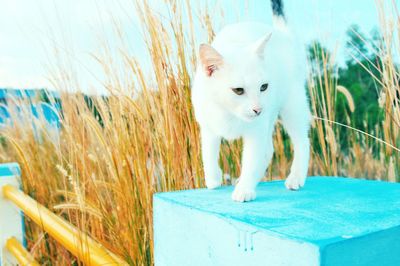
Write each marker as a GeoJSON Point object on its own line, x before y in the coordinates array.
{"type": "Point", "coordinates": [296, 120]}
{"type": "Point", "coordinates": [257, 153]}
{"type": "Point", "coordinates": [210, 144]}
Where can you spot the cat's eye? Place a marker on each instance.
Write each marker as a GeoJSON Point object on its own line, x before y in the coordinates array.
{"type": "Point", "coordinates": [238, 91]}
{"type": "Point", "coordinates": [264, 87]}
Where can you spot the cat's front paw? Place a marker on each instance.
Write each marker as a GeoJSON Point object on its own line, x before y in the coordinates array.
{"type": "Point", "coordinates": [294, 182]}
{"type": "Point", "coordinates": [242, 193]}
{"type": "Point", "coordinates": [213, 183]}
{"type": "Point", "coordinates": [213, 179]}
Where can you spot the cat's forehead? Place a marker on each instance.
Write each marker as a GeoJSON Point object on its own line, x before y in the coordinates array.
{"type": "Point", "coordinates": [243, 57]}
{"type": "Point", "coordinates": [247, 69]}
{"type": "Point", "coordinates": [244, 60]}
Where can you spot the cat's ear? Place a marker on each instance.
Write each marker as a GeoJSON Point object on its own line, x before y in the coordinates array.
{"type": "Point", "coordinates": [259, 46]}
{"type": "Point", "coordinates": [210, 59]}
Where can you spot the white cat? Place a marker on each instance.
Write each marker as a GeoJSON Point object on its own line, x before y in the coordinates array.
{"type": "Point", "coordinates": [248, 76]}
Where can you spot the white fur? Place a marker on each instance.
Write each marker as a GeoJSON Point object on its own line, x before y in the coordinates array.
{"type": "Point", "coordinates": [223, 114]}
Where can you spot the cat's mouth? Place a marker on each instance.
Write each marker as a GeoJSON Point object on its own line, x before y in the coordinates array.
{"type": "Point", "coordinates": [249, 118]}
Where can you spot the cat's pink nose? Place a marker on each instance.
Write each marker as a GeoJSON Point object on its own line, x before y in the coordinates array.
{"type": "Point", "coordinates": [257, 110]}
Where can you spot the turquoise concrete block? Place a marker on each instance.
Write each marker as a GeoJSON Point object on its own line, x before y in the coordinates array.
{"type": "Point", "coordinates": [331, 221]}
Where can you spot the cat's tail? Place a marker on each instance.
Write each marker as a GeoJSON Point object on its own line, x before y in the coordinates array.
{"type": "Point", "coordinates": [278, 13]}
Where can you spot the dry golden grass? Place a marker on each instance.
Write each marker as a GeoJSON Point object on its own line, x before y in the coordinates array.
{"type": "Point", "coordinates": [101, 175]}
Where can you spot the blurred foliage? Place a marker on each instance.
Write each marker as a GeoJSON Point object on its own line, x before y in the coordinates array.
{"type": "Point", "coordinates": [357, 76]}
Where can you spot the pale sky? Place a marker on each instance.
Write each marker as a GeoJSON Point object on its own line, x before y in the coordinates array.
{"type": "Point", "coordinates": [31, 29]}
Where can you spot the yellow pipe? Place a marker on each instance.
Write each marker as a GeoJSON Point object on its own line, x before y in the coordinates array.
{"type": "Point", "coordinates": [20, 253]}
{"type": "Point", "coordinates": [77, 242]}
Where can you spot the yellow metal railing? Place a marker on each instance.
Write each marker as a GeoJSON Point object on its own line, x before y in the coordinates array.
{"type": "Point", "coordinates": [20, 253]}
{"type": "Point", "coordinates": [78, 243]}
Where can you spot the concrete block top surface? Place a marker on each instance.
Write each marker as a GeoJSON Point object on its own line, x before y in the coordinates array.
{"type": "Point", "coordinates": [326, 210]}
